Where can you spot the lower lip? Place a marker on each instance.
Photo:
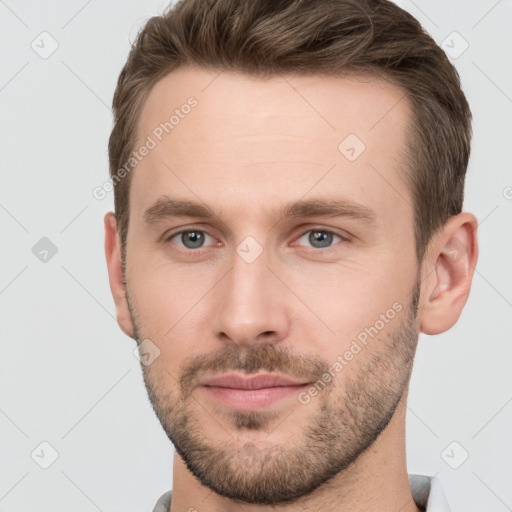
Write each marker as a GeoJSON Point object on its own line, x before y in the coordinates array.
{"type": "Point", "coordinates": [248, 399]}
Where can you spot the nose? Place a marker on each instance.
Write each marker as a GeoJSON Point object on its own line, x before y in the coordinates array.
{"type": "Point", "coordinates": [252, 303]}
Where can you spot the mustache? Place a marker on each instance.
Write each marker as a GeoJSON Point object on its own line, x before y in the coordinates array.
{"type": "Point", "coordinates": [267, 357]}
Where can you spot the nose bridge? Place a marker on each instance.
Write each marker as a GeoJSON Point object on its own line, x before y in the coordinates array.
{"type": "Point", "coordinates": [251, 300]}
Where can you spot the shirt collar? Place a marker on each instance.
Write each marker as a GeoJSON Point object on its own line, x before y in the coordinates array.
{"type": "Point", "coordinates": [427, 493]}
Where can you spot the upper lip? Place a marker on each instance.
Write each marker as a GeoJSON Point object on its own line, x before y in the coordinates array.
{"type": "Point", "coordinates": [237, 381]}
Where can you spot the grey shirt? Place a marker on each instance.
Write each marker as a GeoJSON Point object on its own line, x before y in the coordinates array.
{"type": "Point", "coordinates": [426, 492]}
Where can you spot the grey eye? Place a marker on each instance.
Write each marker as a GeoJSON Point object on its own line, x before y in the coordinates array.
{"type": "Point", "coordinates": [190, 239]}
{"type": "Point", "coordinates": [320, 238]}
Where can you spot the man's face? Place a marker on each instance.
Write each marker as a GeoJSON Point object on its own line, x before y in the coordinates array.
{"type": "Point", "coordinates": [327, 300]}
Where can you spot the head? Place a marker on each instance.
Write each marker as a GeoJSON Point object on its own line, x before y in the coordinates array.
{"type": "Point", "coordinates": [297, 210]}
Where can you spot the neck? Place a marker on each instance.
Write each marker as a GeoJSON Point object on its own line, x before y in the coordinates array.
{"type": "Point", "coordinates": [376, 481]}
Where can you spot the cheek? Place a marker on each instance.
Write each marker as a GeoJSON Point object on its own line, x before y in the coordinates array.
{"type": "Point", "coordinates": [359, 312]}
{"type": "Point", "coordinates": [348, 299]}
{"type": "Point", "coordinates": [167, 301]}
{"type": "Point", "coordinates": [164, 290]}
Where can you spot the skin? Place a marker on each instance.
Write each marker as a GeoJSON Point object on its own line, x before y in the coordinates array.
{"type": "Point", "coordinates": [250, 146]}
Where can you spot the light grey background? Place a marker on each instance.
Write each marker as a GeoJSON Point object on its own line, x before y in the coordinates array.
{"type": "Point", "coordinates": [68, 375]}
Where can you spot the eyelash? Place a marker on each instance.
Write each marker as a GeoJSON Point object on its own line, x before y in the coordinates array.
{"type": "Point", "coordinates": [200, 250]}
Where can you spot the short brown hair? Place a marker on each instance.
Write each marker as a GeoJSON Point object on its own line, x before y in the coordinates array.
{"type": "Point", "coordinates": [329, 37]}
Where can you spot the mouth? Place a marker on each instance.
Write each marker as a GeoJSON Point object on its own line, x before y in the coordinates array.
{"type": "Point", "coordinates": [250, 392]}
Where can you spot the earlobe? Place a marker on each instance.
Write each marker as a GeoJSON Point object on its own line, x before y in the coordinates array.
{"type": "Point", "coordinates": [451, 264]}
{"type": "Point", "coordinates": [116, 274]}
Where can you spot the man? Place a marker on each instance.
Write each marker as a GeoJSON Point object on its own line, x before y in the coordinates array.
{"type": "Point", "coordinates": [288, 218]}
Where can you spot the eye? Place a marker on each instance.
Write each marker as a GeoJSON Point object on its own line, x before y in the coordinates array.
{"type": "Point", "coordinates": [190, 239]}
{"type": "Point", "coordinates": [193, 240]}
{"type": "Point", "coordinates": [320, 238]}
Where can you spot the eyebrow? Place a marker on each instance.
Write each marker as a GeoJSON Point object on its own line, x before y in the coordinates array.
{"type": "Point", "coordinates": [167, 208]}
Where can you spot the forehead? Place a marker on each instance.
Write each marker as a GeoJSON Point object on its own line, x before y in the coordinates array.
{"type": "Point", "coordinates": [235, 140]}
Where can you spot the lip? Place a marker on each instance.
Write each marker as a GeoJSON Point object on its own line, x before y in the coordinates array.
{"type": "Point", "coordinates": [250, 392]}
{"type": "Point", "coordinates": [237, 381]}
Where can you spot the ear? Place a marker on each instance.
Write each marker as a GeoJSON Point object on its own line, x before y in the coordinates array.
{"type": "Point", "coordinates": [450, 265]}
{"type": "Point", "coordinates": [116, 274]}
